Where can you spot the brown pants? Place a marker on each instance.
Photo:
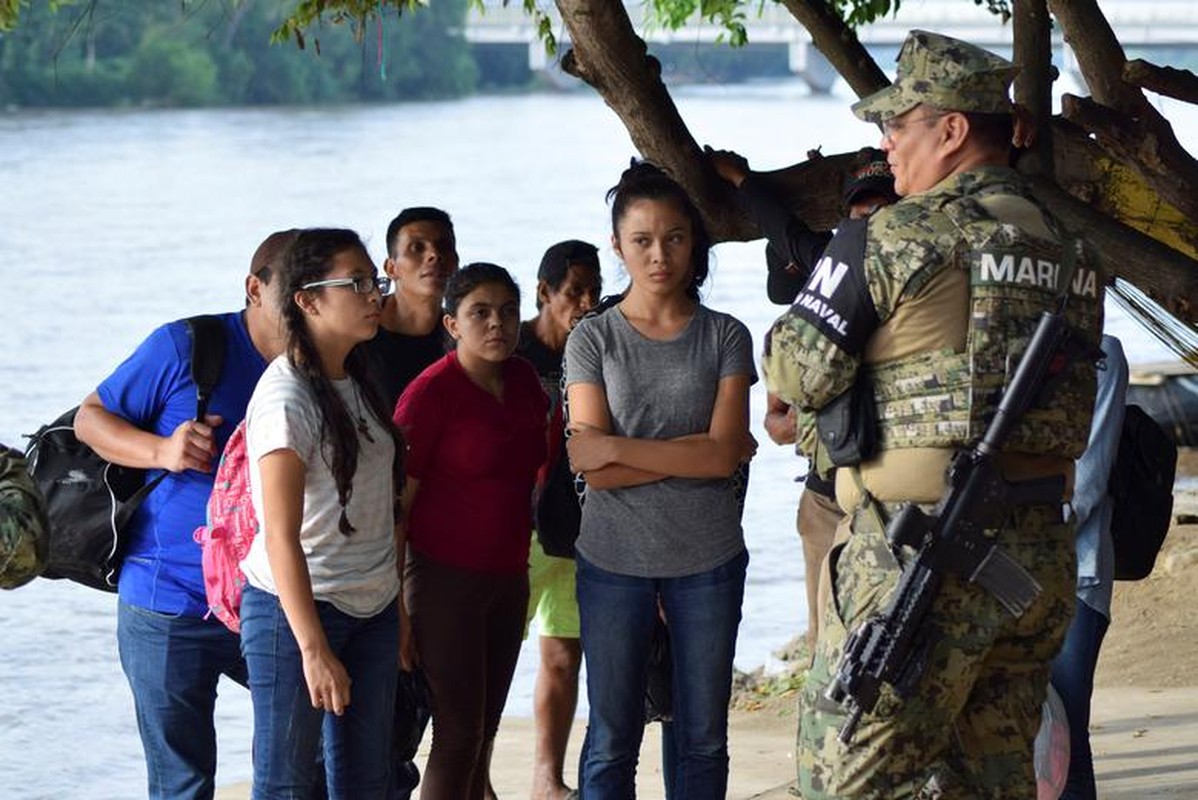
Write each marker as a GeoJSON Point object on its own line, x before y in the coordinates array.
{"type": "Point", "coordinates": [817, 520]}
{"type": "Point", "coordinates": [468, 626]}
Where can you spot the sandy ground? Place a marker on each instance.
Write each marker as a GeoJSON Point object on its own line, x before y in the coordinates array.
{"type": "Point", "coordinates": [1145, 712]}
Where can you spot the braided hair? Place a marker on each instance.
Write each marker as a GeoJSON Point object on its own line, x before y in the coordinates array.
{"type": "Point", "coordinates": [310, 258]}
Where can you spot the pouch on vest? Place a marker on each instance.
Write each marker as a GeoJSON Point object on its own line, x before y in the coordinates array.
{"type": "Point", "coordinates": [848, 425]}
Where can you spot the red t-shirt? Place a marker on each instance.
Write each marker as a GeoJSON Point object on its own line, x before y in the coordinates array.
{"type": "Point", "coordinates": [476, 458]}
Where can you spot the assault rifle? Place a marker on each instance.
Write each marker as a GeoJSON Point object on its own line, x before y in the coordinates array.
{"type": "Point", "coordinates": [893, 647]}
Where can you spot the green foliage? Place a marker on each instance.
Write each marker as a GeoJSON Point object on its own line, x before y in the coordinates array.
{"type": "Point", "coordinates": [203, 52]}
{"type": "Point", "coordinates": [729, 14]}
{"type": "Point", "coordinates": [10, 11]}
{"type": "Point", "coordinates": [164, 72]}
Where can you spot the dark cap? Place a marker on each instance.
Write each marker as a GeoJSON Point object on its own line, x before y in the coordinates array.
{"type": "Point", "coordinates": [272, 250]}
{"type": "Point", "coordinates": [871, 175]}
{"type": "Point", "coordinates": [558, 258]}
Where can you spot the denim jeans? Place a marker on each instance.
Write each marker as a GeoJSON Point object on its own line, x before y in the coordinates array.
{"type": "Point", "coordinates": [288, 730]}
{"type": "Point", "coordinates": [617, 612]}
{"type": "Point", "coordinates": [1073, 678]}
{"type": "Point", "coordinates": [173, 664]}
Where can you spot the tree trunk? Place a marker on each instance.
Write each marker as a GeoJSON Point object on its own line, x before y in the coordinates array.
{"type": "Point", "coordinates": [839, 44]}
{"type": "Point", "coordinates": [1099, 54]}
{"type": "Point", "coordinates": [608, 55]}
{"type": "Point", "coordinates": [1146, 143]}
{"type": "Point", "coordinates": [1033, 84]}
{"type": "Point", "coordinates": [1128, 127]}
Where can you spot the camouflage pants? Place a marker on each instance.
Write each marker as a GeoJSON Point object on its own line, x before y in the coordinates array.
{"type": "Point", "coordinates": [972, 722]}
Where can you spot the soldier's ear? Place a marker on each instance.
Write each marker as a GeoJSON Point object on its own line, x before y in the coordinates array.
{"type": "Point", "coordinates": [954, 130]}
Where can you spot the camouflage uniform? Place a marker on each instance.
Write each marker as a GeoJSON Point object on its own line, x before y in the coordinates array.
{"type": "Point", "coordinates": [937, 340]}
{"type": "Point", "coordinates": [23, 526]}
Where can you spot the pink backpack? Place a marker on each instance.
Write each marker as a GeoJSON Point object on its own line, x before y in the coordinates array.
{"type": "Point", "coordinates": [226, 539]}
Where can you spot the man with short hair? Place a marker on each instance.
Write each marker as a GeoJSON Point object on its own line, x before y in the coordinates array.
{"type": "Point", "coordinates": [568, 284]}
{"type": "Point", "coordinates": [421, 255]}
{"type": "Point", "coordinates": [918, 314]}
{"type": "Point", "coordinates": [172, 650]}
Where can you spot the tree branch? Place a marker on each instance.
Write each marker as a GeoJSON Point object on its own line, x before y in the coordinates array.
{"type": "Point", "coordinates": [1033, 84]}
{"type": "Point", "coordinates": [1147, 143]}
{"type": "Point", "coordinates": [608, 55]}
{"type": "Point", "coordinates": [839, 44]}
{"type": "Point", "coordinates": [1167, 276]}
{"type": "Point", "coordinates": [1180, 84]}
{"type": "Point", "coordinates": [1099, 54]}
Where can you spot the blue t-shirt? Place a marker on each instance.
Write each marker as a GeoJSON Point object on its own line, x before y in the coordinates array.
{"type": "Point", "coordinates": [153, 390]}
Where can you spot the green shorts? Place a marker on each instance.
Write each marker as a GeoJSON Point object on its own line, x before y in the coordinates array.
{"type": "Point", "coordinates": [551, 597]}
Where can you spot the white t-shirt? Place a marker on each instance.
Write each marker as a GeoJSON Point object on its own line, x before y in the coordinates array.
{"type": "Point", "coordinates": [355, 572]}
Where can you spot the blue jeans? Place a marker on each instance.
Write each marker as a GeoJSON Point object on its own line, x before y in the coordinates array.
{"type": "Point", "coordinates": [288, 730]}
{"type": "Point", "coordinates": [617, 612]}
{"type": "Point", "coordinates": [173, 664]}
{"type": "Point", "coordinates": [1073, 678]}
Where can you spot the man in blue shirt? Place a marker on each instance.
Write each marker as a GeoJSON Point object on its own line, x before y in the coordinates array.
{"type": "Point", "coordinates": [172, 651]}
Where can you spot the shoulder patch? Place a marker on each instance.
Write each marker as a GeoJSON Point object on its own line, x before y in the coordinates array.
{"type": "Point", "coordinates": [836, 298]}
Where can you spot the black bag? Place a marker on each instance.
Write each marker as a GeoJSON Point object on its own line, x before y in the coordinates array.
{"type": "Point", "coordinates": [89, 500]}
{"type": "Point", "coordinates": [413, 708]}
{"type": "Point", "coordinates": [557, 513]}
{"type": "Point", "coordinates": [1141, 489]}
{"type": "Point", "coordinates": [659, 686]}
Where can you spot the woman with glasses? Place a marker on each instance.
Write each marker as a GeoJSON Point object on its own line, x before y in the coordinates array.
{"type": "Point", "coordinates": [321, 625]}
{"type": "Point", "coordinates": [475, 423]}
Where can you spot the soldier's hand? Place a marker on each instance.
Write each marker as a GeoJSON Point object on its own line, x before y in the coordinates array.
{"type": "Point", "coordinates": [192, 445]}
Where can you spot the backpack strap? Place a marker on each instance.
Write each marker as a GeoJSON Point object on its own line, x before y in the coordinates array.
{"type": "Point", "coordinates": [207, 357]}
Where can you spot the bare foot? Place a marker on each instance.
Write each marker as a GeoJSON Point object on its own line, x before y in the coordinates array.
{"type": "Point", "coordinates": [547, 789]}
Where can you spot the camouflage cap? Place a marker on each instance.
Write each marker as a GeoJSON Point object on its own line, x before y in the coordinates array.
{"type": "Point", "coordinates": [945, 73]}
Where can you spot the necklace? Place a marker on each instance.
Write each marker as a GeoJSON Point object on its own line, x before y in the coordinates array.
{"type": "Point", "coordinates": [363, 429]}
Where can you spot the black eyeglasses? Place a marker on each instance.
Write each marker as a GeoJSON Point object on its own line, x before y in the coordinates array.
{"type": "Point", "coordinates": [894, 126]}
{"type": "Point", "coordinates": [361, 285]}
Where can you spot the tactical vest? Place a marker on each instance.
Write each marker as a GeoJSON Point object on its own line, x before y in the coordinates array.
{"type": "Point", "coordinates": [945, 399]}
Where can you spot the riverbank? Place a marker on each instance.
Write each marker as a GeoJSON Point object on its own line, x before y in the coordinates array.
{"type": "Point", "coordinates": [1144, 730]}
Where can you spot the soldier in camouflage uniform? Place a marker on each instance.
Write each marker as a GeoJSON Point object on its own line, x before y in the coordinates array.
{"type": "Point", "coordinates": [23, 525]}
{"type": "Point", "coordinates": [932, 300]}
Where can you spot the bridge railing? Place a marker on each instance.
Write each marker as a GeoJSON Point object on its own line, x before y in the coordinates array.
{"type": "Point", "coordinates": [1135, 22]}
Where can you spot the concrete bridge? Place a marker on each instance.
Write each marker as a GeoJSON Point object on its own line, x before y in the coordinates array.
{"type": "Point", "coordinates": [1140, 25]}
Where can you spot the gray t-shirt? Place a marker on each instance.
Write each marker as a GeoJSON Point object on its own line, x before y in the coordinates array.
{"type": "Point", "coordinates": [660, 390]}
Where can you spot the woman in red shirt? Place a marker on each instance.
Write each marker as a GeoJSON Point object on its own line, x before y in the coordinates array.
{"type": "Point", "coordinates": [475, 425]}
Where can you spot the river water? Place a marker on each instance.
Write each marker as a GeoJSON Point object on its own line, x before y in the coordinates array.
{"type": "Point", "coordinates": [115, 221]}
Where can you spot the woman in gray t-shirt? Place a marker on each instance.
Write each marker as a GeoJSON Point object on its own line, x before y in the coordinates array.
{"type": "Point", "coordinates": [658, 392]}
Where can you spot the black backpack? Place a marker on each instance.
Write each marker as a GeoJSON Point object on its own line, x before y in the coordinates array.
{"type": "Point", "coordinates": [1141, 489]}
{"type": "Point", "coordinates": [89, 500]}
